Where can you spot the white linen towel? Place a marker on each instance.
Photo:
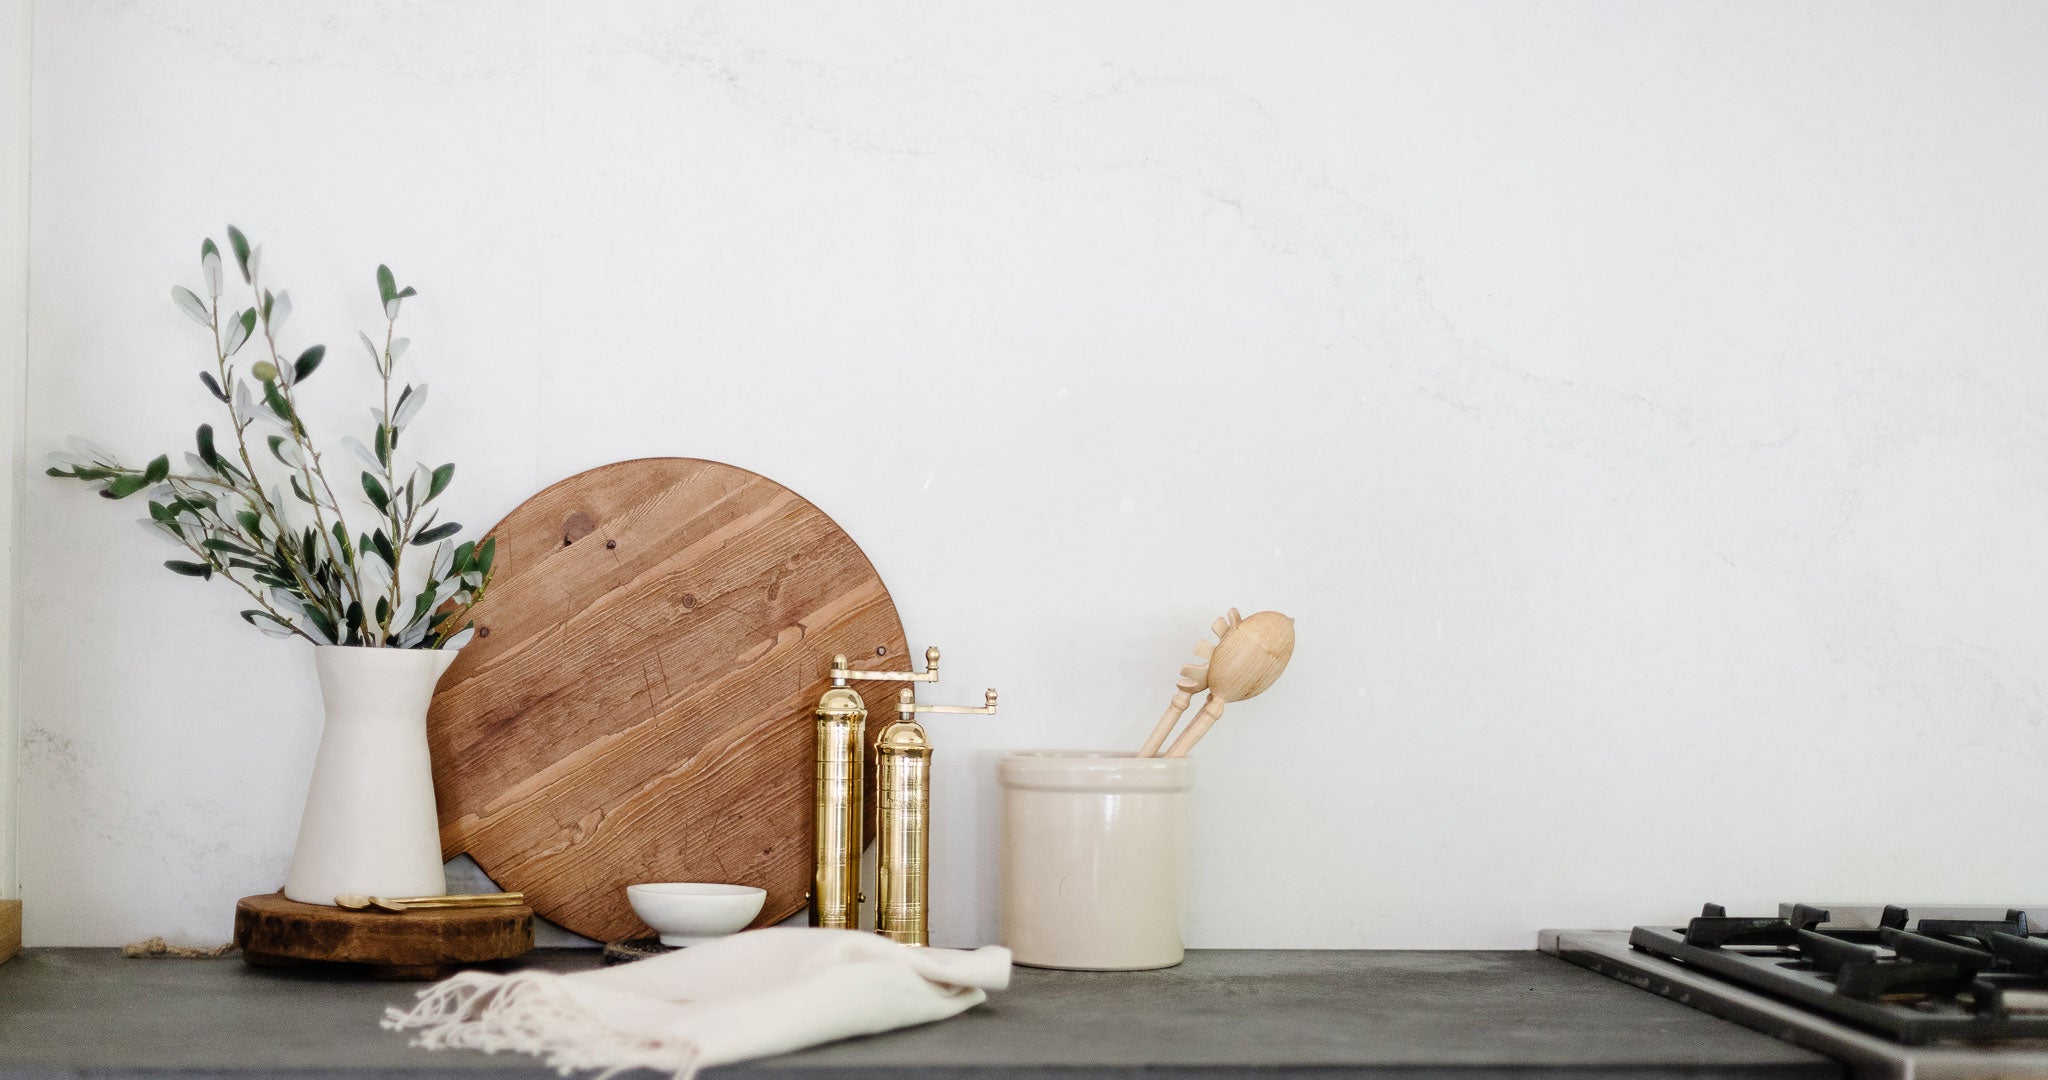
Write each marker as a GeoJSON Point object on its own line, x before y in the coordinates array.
{"type": "Point", "coordinates": [753, 994]}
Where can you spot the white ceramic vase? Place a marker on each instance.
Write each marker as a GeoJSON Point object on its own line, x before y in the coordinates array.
{"type": "Point", "coordinates": [370, 825]}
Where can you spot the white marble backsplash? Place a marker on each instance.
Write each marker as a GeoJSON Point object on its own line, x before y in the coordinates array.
{"type": "Point", "coordinates": [1640, 408]}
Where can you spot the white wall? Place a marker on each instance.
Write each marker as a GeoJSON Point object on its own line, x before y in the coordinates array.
{"type": "Point", "coordinates": [15, 23]}
{"type": "Point", "coordinates": [1640, 407]}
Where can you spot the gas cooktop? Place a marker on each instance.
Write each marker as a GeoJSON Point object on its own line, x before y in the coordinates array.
{"type": "Point", "coordinates": [1897, 991]}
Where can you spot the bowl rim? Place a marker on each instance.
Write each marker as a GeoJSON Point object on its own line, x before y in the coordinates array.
{"type": "Point", "coordinates": [703, 889]}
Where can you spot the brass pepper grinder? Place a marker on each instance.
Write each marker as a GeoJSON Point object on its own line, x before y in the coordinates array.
{"type": "Point", "coordinates": [842, 722]}
{"type": "Point", "coordinates": [903, 790]}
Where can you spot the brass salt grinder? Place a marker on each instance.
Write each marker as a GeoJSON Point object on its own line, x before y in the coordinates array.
{"type": "Point", "coordinates": [842, 721]}
{"type": "Point", "coordinates": [903, 794]}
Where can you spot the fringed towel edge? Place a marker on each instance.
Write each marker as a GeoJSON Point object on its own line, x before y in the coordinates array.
{"type": "Point", "coordinates": [532, 1013]}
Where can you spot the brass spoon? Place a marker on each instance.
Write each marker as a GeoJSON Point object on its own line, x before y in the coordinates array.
{"type": "Point", "coordinates": [357, 902]}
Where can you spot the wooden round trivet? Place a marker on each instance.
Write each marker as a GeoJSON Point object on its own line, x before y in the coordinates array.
{"type": "Point", "coordinates": [636, 704]}
{"type": "Point", "coordinates": [276, 932]}
{"type": "Point", "coordinates": [639, 948]}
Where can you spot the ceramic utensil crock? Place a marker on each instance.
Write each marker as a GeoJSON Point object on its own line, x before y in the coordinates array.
{"type": "Point", "coordinates": [1094, 858]}
{"type": "Point", "coordinates": [369, 825]}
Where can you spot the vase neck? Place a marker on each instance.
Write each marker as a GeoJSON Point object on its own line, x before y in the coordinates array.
{"type": "Point", "coordinates": [392, 684]}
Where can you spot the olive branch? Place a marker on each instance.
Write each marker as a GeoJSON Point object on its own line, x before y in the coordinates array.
{"type": "Point", "coordinates": [316, 579]}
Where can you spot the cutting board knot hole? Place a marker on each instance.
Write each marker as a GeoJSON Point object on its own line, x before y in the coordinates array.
{"type": "Point", "coordinates": [577, 526]}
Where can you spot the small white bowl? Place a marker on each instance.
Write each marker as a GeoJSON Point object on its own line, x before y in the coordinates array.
{"type": "Point", "coordinates": [694, 912]}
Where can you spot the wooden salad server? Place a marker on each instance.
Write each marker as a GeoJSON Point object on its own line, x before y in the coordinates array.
{"type": "Point", "coordinates": [1249, 655]}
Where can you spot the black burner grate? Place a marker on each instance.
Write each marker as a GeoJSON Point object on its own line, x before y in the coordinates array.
{"type": "Point", "coordinates": [1934, 981]}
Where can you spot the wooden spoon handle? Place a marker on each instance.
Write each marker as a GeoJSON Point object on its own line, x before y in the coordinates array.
{"type": "Point", "coordinates": [1212, 708]}
{"type": "Point", "coordinates": [1164, 727]}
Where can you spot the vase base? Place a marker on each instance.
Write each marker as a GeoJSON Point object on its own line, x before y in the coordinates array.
{"type": "Point", "coordinates": [276, 932]}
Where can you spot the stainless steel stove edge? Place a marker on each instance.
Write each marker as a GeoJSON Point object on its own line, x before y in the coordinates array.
{"type": "Point", "coordinates": [1867, 1056]}
{"type": "Point", "coordinates": [1863, 914]}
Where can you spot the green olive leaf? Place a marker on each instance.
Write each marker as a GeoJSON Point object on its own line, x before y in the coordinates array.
{"type": "Point", "coordinates": [439, 532]}
{"type": "Point", "coordinates": [439, 482]}
{"type": "Point", "coordinates": [240, 246]}
{"type": "Point", "coordinates": [209, 263]}
{"type": "Point", "coordinates": [307, 362]}
{"type": "Point", "coordinates": [189, 302]}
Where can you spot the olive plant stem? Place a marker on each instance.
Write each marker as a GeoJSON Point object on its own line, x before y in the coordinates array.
{"type": "Point", "coordinates": [399, 538]}
{"type": "Point", "coordinates": [261, 500]}
{"type": "Point", "coordinates": [309, 461]}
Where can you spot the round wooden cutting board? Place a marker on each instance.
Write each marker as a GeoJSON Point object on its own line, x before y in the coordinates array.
{"type": "Point", "coordinates": [636, 703]}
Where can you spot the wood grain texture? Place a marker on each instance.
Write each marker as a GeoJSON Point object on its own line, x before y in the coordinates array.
{"type": "Point", "coordinates": [273, 931]}
{"type": "Point", "coordinates": [10, 929]}
{"type": "Point", "coordinates": [636, 703]}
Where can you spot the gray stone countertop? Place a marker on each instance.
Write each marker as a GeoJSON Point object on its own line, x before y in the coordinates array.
{"type": "Point", "coordinates": [1222, 1015]}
